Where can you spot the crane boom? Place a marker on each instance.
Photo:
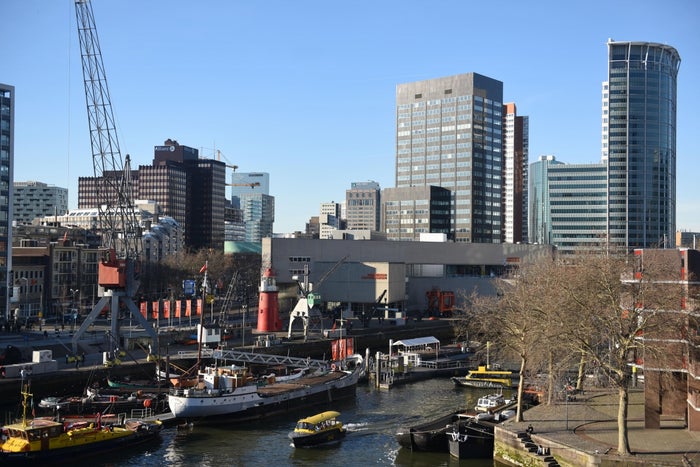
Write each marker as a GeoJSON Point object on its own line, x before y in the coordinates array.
{"type": "Point", "coordinates": [118, 269]}
{"type": "Point", "coordinates": [119, 225]}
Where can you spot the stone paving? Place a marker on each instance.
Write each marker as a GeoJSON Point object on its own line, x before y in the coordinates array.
{"type": "Point", "coordinates": [589, 424]}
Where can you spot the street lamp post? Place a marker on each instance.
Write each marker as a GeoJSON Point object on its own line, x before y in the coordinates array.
{"type": "Point", "coordinates": [73, 308]}
{"type": "Point", "coordinates": [245, 312]}
{"type": "Point", "coordinates": [25, 295]}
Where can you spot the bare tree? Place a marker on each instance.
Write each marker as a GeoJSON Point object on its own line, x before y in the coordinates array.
{"type": "Point", "coordinates": [615, 303]}
{"type": "Point", "coordinates": [516, 320]}
{"type": "Point", "coordinates": [168, 275]}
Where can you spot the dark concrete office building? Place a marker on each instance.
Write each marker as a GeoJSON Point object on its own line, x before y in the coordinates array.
{"type": "Point", "coordinates": [408, 212]}
{"type": "Point", "coordinates": [449, 133]}
{"type": "Point", "coordinates": [188, 189]}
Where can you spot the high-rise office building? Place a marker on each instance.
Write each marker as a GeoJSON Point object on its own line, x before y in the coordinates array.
{"type": "Point", "coordinates": [89, 197]}
{"type": "Point", "coordinates": [641, 144]}
{"type": "Point", "coordinates": [258, 216]}
{"type": "Point", "coordinates": [362, 206]}
{"type": "Point", "coordinates": [568, 204]}
{"type": "Point", "coordinates": [449, 133]}
{"type": "Point", "coordinates": [605, 122]}
{"type": "Point", "coordinates": [329, 219]}
{"type": "Point", "coordinates": [36, 199]}
{"type": "Point", "coordinates": [189, 189]}
{"type": "Point", "coordinates": [540, 219]}
{"type": "Point", "coordinates": [408, 212]}
{"type": "Point", "coordinates": [250, 192]}
{"type": "Point", "coordinates": [206, 227]}
{"type": "Point", "coordinates": [7, 157]}
{"type": "Point", "coordinates": [577, 203]}
{"type": "Point", "coordinates": [245, 183]}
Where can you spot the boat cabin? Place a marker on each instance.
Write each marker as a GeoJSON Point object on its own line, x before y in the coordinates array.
{"type": "Point", "coordinates": [411, 351]}
{"type": "Point", "coordinates": [37, 434]}
{"type": "Point", "coordinates": [38, 429]}
{"type": "Point", "coordinates": [209, 334]}
{"type": "Point", "coordinates": [225, 378]}
{"type": "Point", "coordinates": [319, 422]}
{"type": "Point", "coordinates": [490, 402]}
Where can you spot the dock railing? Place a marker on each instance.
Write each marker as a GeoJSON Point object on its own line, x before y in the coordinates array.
{"type": "Point", "coordinates": [251, 357]}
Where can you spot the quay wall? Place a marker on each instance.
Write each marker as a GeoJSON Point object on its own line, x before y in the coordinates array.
{"type": "Point", "coordinates": [69, 380]}
{"type": "Point", "coordinates": [514, 448]}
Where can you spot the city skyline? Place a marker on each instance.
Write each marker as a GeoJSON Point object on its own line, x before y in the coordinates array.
{"type": "Point", "coordinates": [306, 91]}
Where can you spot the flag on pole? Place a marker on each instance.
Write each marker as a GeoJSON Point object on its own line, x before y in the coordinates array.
{"type": "Point", "coordinates": [204, 268]}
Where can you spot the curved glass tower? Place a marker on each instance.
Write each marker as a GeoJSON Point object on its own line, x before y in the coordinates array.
{"type": "Point", "coordinates": [641, 144]}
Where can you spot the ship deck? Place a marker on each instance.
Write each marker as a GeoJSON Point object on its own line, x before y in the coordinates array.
{"type": "Point", "coordinates": [305, 381]}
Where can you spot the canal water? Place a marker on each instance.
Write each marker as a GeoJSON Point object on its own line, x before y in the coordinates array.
{"type": "Point", "coordinates": [372, 420]}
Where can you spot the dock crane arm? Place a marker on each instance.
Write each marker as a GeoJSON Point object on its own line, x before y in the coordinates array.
{"type": "Point", "coordinates": [118, 269]}
{"type": "Point", "coordinates": [305, 304]}
{"type": "Point", "coordinates": [329, 272]}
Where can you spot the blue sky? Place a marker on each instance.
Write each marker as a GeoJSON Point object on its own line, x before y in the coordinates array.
{"type": "Point", "coordinates": [305, 90]}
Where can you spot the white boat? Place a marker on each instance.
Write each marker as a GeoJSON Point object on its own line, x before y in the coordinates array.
{"type": "Point", "coordinates": [228, 392]}
{"type": "Point", "coordinates": [491, 403]}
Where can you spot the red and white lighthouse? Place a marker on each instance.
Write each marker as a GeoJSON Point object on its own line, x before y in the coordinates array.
{"type": "Point", "coordinates": [268, 305]}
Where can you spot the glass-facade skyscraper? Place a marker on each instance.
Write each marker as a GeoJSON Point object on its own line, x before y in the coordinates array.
{"type": "Point", "coordinates": [567, 204]}
{"type": "Point", "coordinates": [539, 210]}
{"type": "Point", "coordinates": [641, 144]}
{"type": "Point", "coordinates": [251, 194]}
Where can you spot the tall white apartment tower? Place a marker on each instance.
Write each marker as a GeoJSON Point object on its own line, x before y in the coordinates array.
{"type": "Point", "coordinates": [515, 155]}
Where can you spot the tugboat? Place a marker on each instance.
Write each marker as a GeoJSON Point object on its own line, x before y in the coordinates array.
{"type": "Point", "coordinates": [42, 441]}
{"type": "Point", "coordinates": [320, 429]}
{"type": "Point", "coordinates": [471, 439]}
{"type": "Point", "coordinates": [431, 435]}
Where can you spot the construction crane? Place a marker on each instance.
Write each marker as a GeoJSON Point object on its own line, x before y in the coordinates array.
{"type": "Point", "coordinates": [119, 265]}
{"type": "Point", "coordinates": [251, 185]}
{"type": "Point", "coordinates": [229, 165]}
{"type": "Point", "coordinates": [234, 168]}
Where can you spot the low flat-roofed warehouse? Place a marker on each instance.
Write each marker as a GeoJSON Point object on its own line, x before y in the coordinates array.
{"type": "Point", "coordinates": [357, 272]}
